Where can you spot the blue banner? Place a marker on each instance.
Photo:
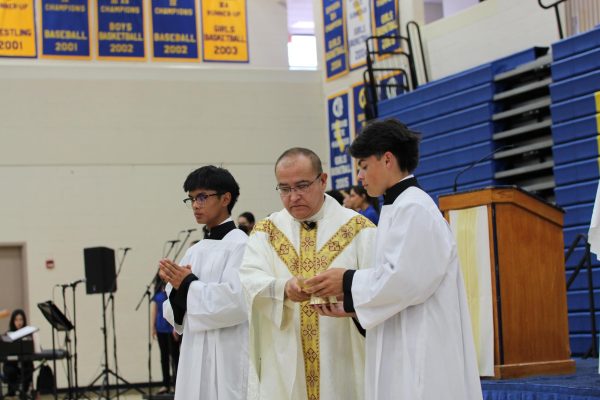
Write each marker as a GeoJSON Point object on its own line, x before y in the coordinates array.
{"type": "Point", "coordinates": [336, 62]}
{"type": "Point", "coordinates": [385, 14]}
{"type": "Point", "coordinates": [359, 102]}
{"type": "Point", "coordinates": [121, 29]}
{"type": "Point", "coordinates": [391, 86]}
{"type": "Point", "coordinates": [174, 29]}
{"type": "Point", "coordinates": [66, 29]}
{"type": "Point", "coordinates": [340, 161]}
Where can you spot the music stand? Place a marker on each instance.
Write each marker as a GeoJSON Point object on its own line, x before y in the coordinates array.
{"type": "Point", "coordinates": [60, 323]}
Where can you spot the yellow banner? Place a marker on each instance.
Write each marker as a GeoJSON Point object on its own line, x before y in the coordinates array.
{"type": "Point", "coordinates": [17, 28]}
{"type": "Point", "coordinates": [224, 30]}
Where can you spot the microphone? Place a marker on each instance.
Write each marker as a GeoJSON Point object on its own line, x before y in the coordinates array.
{"type": "Point", "coordinates": [173, 241]}
{"type": "Point", "coordinates": [191, 230]}
{"type": "Point", "coordinates": [474, 163]}
{"type": "Point", "coordinates": [125, 249]}
{"type": "Point", "coordinates": [73, 284]}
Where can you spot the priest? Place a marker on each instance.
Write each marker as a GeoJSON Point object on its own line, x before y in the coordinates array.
{"type": "Point", "coordinates": [206, 303]}
{"type": "Point", "coordinates": [412, 302]}
{"type": "Point", "coordinates": [294, 354]}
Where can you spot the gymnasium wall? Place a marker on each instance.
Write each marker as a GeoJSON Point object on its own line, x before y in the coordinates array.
{"type": "Point", "coordinates": [95, 154]}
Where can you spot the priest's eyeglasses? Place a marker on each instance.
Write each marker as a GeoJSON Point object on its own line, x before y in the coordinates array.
{"type": "Point", "coordinates": [300, 188]}
{"type": "Point", "coordinates": [200, 199]}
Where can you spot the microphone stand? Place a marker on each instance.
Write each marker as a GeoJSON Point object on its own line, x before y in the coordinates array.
{"type": "Point", "coordinates": [111, 300]}
{"type": "Point", "coordinates": [474, 163]}
{"type": "Point", "coordinates": [189, 232]}
{"type": "Point", "coordinates": [147, 294]}
{"type": "Point", "coordinates": [147, 290]}
{"type": "Point", "coordinates": [75, 369]}
{"type": "Point", "coordinates": [68, 347]}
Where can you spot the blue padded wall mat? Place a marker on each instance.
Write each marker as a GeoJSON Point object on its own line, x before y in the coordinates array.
{"type": "Point", "coordinates": [576, 65]}
{"type": "Point", "coordinates": [459, 138]}
{"type": "Point", "coordinates": [580, 283]}
{"type": "Point", "coordinates": [575, 87]}
{"type": "Point", "coordinates": [578, 299]}
{"type": "Point", "coordinates": [438, 88]}
{"type": "Point", "coordinates": [455, 121]}
{"type": "Point", "coordinates": [444, 179]}
{"type": "Point", "coordinates": [571, 233]}
{"type": "Point", "coordinates": [575, 150]}
{"type": "Point", "coordinates": [457, 82]}
{"type": "Point", "coordinates": [576, 44]}
{"type": "Point", "coordinates": [579, 321]}
{"type": "Point", "coordinates": [576, 129]}
{"type": "Point", "coordinates": [575, 257]}
{"type": "Point", "coordinates": [455, 158]}
{"type": "Point", "coordinates": [579, 214]}
{"type": "Point", "coordinates": [574, 108]}
{"type": "Point", "coordinates": [580, 344]}
{"type": "Point", "coordinates": [580, 192]}
{"type": "Point", "coordinates": [444, 105]}
{"type": "Point", "coordinates": [576, 172]}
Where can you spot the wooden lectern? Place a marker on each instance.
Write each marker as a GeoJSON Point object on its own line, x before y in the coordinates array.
{"type": "Point", "coordinates": [531, 335]}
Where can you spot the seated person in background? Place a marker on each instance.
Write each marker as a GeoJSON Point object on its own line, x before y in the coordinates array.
{"type": "Point", "coordinates": [246, 222]}
{"type": "Point", "coordinates": [365, 205]}
{"type": "Point", "coordinates": [12, 369]}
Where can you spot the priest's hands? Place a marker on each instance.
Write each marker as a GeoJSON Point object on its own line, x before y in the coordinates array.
{"type": "Point", "coordinates": [328, 283]}
{"type": "Point", "coordinates": [294, 292]}
{"type": "Point", "coordinates": [173, 273]}
{"type": "Point", "coordinates": [333, 310]}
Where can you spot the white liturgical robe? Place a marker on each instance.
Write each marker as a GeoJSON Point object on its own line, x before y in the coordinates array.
{"type": "Point", "coordinates": [213, 362]}
{"type": "Point", "coordinates": [419, 343]}
{"type": "Point", "coordinates": [285, 349]}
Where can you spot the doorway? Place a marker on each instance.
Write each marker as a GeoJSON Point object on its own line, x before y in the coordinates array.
{"type": "Point", "coordinates": [13, 292]}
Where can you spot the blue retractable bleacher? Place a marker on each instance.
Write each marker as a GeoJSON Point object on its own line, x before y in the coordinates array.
{"type": "Point", "coordinates": [454, 117]}
{"type": "Point", "coordinates": [575, 109]}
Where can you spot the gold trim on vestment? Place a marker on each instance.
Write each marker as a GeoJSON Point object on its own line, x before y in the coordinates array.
{"type": "Point", "coordinates": [309, 263]}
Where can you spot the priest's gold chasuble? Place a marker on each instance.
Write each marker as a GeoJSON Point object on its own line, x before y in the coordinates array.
{"type": "Point", "coordinates": [309, 262]}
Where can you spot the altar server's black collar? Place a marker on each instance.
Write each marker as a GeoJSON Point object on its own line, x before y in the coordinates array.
{"type": "Point", "coordinates": [219, 231]}
{"type": "Point", "coordinates": [392, 193]}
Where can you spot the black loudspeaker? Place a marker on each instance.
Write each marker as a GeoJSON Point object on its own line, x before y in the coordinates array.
{"type": "Point", "coordinates": [100, 271]}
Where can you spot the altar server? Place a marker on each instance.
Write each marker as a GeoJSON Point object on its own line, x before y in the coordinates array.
{"type": "Point", "coordinates": [205, 301]}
